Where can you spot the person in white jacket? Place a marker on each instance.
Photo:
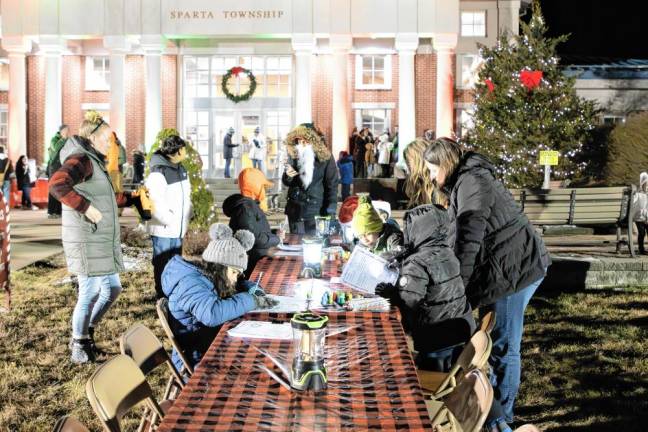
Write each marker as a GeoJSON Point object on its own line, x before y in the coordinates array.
{"type": "Point", "coordinates": [640, 216]}
{"type": "Point", "coordinates": [170, 192]}
{"type": "Point", "coordinates": [384, 153]}
{"type": "Point", "coordinates": [258, 150]}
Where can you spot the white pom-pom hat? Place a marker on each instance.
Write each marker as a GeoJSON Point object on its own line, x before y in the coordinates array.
{"type": "Point", "coordinates": [228, 249]}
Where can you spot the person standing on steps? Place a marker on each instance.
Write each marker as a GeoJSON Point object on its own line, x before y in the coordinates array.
{"type": "Point", "coordinates": [170, 192]}
{"type": "Point", "coordinates": [228, 151]}
{"type": "Point", "coordinates": [258, 150]}
{"type": "Point", "coordinates": [24, 182]}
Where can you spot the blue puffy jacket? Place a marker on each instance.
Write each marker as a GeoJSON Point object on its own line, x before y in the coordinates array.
{"type": "Point", "coordinates": [345, 166]}
{"type": "Point", "coordinates": [196, 310]}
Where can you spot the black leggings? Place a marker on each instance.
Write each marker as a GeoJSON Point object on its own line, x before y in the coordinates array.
{"type": "Point", "coordinates": [641, 228]}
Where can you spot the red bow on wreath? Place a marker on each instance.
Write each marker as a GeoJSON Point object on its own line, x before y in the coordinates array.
{"type": "Point", "coordinates": [530, 79]}
{"type": "Point", "coordinates": [236, 70]}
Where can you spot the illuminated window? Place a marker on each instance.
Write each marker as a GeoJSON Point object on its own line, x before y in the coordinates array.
{"type": "Point", "coordinates": [373, 72]}
{"type": "Point", "coordinates": [473, 24]}
{"type": "Point", "coordinates": [465, 120]}
{"type": "Point", "coordinates": [196, 130]}
{"type": "Point", "coordinates": [470, 65]}
{"type": "Point", "coordinates": [4, 74]}
{"type": "Point", "coordinates": [377, 120]}
{"type": "Point", "coordinates": [97, 76]}
{"type": "Point", "coordinates": [4, 120]}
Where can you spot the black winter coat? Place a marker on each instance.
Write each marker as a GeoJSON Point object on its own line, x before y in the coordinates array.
{"type": "Point", "coordinates": [319, 199]}
{"type": "Point", "coordinates": [245, 213]}
{"type": "Point", "coordinates": [431, 294]}
{"type": "Point", "coordinates": [23, 177]}
{"type": "Point", "coordinates": [228, 147]}
{"type": "Point", "coordinates": [499, 250]}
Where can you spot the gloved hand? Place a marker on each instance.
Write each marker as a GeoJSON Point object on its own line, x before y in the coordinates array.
{"type": "Point", "coordinates": [264, 302]}
{"type": "Point", "coordinates": [386, 290]}
{"type": "Point", "coordinates": [251, 288]}
{"type": "Point", "coordinates": [93, 214]}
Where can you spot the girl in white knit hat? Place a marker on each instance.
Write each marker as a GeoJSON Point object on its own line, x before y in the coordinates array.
{"type": "Point", "coordinates": [203, 295]}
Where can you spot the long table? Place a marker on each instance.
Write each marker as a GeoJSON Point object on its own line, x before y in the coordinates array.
{"type": "Point", "coordinates": [372, 381]}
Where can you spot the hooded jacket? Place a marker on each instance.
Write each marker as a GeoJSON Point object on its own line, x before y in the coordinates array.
{"type": "Point", "coordinates": [196, 309]}
{"type": "Point", "coordinates": [499, 251]}
{"type": "Point", "coordinates": [431, 293]}
{"type": "Point", "coordinates": [245, 213]}
{"type": "Point", "coordinates": [346, 169]}
{"type": "Point", "coordinates": [170, 192]}
{"type": "Point", "coordinates": [320, 197]}
{"type": "Point", "coordinates": [54, 162]}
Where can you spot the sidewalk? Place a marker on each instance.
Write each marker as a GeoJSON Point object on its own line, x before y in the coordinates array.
{"type": "Point", "coordinates": [35, 237]}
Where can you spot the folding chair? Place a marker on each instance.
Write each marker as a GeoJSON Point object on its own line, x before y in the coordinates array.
{"type": "Point", "coordinates": [115, 388]}
{"type": "Point", "coordinates": [474, 356]}
{"type": "Point", "coordinates": [488, 322]}
{"type": "Point", "coordinates": [466, 407]}
{"type": "Point", "coordinates": [141, 344]}
{"type": "Point", "coordinates": [162, 307]}
{"type": "Point", "coordinates": [69, 424]}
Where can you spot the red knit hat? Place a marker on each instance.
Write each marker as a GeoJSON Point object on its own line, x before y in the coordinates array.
{"type": "Point", "coordinates": [348, 207]}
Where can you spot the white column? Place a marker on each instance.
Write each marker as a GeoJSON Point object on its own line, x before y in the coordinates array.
{"type": "Point", "coordinates": [445, 45]}
{"type": "Point", "coordinates": [118, 46]}
{"type": "Point", "coordinates": [340, 44]}
{"type": "Point", "coordinates": [53, 94]}
{"type": "Point", "coordinates": [17, 142]}
{"type": "Point", "coordinates": [406, 45]}
{"type": "Point", "coordinates": [153, 46]}
{"type": "Point", "coordinates": [303, 47]}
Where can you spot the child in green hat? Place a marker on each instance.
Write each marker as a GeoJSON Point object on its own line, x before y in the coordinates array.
{"type": "Point", "coordinates": [381, 238]}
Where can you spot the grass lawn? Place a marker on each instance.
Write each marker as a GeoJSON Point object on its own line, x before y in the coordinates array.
{"type": "Point", "coordinates": [584, 355]}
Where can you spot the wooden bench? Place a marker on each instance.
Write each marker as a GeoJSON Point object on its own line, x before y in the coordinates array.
{"type": "Point", "coordinates": [608, 206]}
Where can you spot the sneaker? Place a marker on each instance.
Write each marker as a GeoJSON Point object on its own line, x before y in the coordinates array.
{"type": "Point", "coordinates": [34, 208]}
{"type": "Point", "coordinates": [53, 216]}
{"type": "Point", "coordinates": [82, 351]}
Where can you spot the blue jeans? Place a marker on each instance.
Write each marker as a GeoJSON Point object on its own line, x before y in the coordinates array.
{"type": "Point", "coordinates": [505, 358]}
{"type": "Point", "coordinates": [258, 164]}
{"type": "Point", "coordinates": [440, 360]}
{"type": "Point", "coordinates": [26, 197]}
{"type": "Point", "coordinates": [96, 295]}
{"type": "Point", "coordinates": [164, 248]}
{"type": "Point", "coordinates": [228, 161]}
{"type": "Point", "coordinates": [346, 191]}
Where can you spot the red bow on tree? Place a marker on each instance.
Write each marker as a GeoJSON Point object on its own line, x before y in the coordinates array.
{"type": "Point", "coordinates": [490, 85]}
{"type": "Point", "coordinates": [236, 70]}
{"type": "Point", "coordinates": [530, 79]}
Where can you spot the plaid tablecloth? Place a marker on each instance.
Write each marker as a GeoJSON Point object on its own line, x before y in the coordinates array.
{"type": "Point", "coordinates": [372, 379]}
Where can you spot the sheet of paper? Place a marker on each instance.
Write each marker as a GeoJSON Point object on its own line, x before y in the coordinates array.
{"type": "Point", "coordinates": [261, 330]}
{"type": "Point", "coordinates": [365, 270]}
{"type": "Point", "coordinates": [290, 248]}
{"type": "Point", "coordinates": [286, 305]}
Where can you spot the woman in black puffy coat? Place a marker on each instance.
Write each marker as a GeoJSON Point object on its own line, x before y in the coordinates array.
{"type": "Point", "coordinates": [503, 260]}
{"type": "Point", "coordinates": [429, 292]}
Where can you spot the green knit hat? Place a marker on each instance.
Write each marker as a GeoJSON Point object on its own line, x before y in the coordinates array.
{"type": "Point", "coordinates": [366, 219]}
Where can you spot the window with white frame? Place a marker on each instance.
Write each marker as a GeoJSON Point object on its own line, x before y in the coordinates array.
{"type": "Point", "coordinates": [277, 127]}
{"type": "Point", "coordinates": [470, 65]}
{"type": "Point", "coordinates": [465, 120]}
{"type": "Point", "coordinates": [4, 121]}
{"type": "Point", "coordinates": [612, 120]}
{"type": "Point", "coordinates": [373, 72]}
{"type": "Point", "coordinates": [377, 120]}
{"type": "Point", "coordinates": [473, 23]}
{"type": "Point", "coordinates": [203, 75]}
{"type": "Point", "coordinates": [196, 130]}
{"type": "Point", "coordinates": [97, 73]}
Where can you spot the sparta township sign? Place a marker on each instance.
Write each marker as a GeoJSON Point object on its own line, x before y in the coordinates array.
{"type": "Point", "coordinates": [226, 17]}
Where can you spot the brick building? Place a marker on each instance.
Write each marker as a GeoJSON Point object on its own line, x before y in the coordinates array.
{"type": "Point", "coordinates": [149, 65]}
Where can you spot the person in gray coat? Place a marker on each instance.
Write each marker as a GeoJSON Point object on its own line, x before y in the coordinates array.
{"type": "Point", "coordinates": [90, 229]}
{"type": "Point", "coordinates": [228, 151]}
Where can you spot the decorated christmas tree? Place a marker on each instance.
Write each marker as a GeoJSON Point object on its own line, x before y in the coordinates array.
{"type": "Point", "coordinates": [524, 104]}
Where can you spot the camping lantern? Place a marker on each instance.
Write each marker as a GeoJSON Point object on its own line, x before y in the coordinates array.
{"type": "Point", "coordinates": [312, 248]}
{"type": "Point", "coordinates": [323, 228]}
{"type": "Point", "coordinates": [308, 370]}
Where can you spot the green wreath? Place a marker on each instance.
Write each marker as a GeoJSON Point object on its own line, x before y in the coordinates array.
{"type": "Point", "coordinates": [236, 70]}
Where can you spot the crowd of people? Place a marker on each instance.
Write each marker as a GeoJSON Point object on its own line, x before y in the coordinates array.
{"type": "Point", "coordinates": [465, 247]}
{"type": "Point", "coordinates": [372, 156]}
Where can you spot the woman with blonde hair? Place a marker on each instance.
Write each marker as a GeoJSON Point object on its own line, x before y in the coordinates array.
{"type": "Point", "coordinates": [419, 188]}
{"type": "Point", "coordinates": [503, 260]}
{"type": "Point", "coordinates": [90, 229]}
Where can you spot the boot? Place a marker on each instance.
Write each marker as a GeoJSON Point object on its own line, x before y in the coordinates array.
{"type": "Point", "coordinates": [82, 351]}
{"type": "Point", "coordinates": [98, 352]}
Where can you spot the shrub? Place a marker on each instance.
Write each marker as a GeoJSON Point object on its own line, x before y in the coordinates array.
{"type": "Point", "coordinates": [628, 151]}
{"type": "Point", "coordinates": [204, 209]}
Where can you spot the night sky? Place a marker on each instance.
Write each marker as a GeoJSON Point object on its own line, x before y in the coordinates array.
{"type": "Point", "coordinates": [599, 28]}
